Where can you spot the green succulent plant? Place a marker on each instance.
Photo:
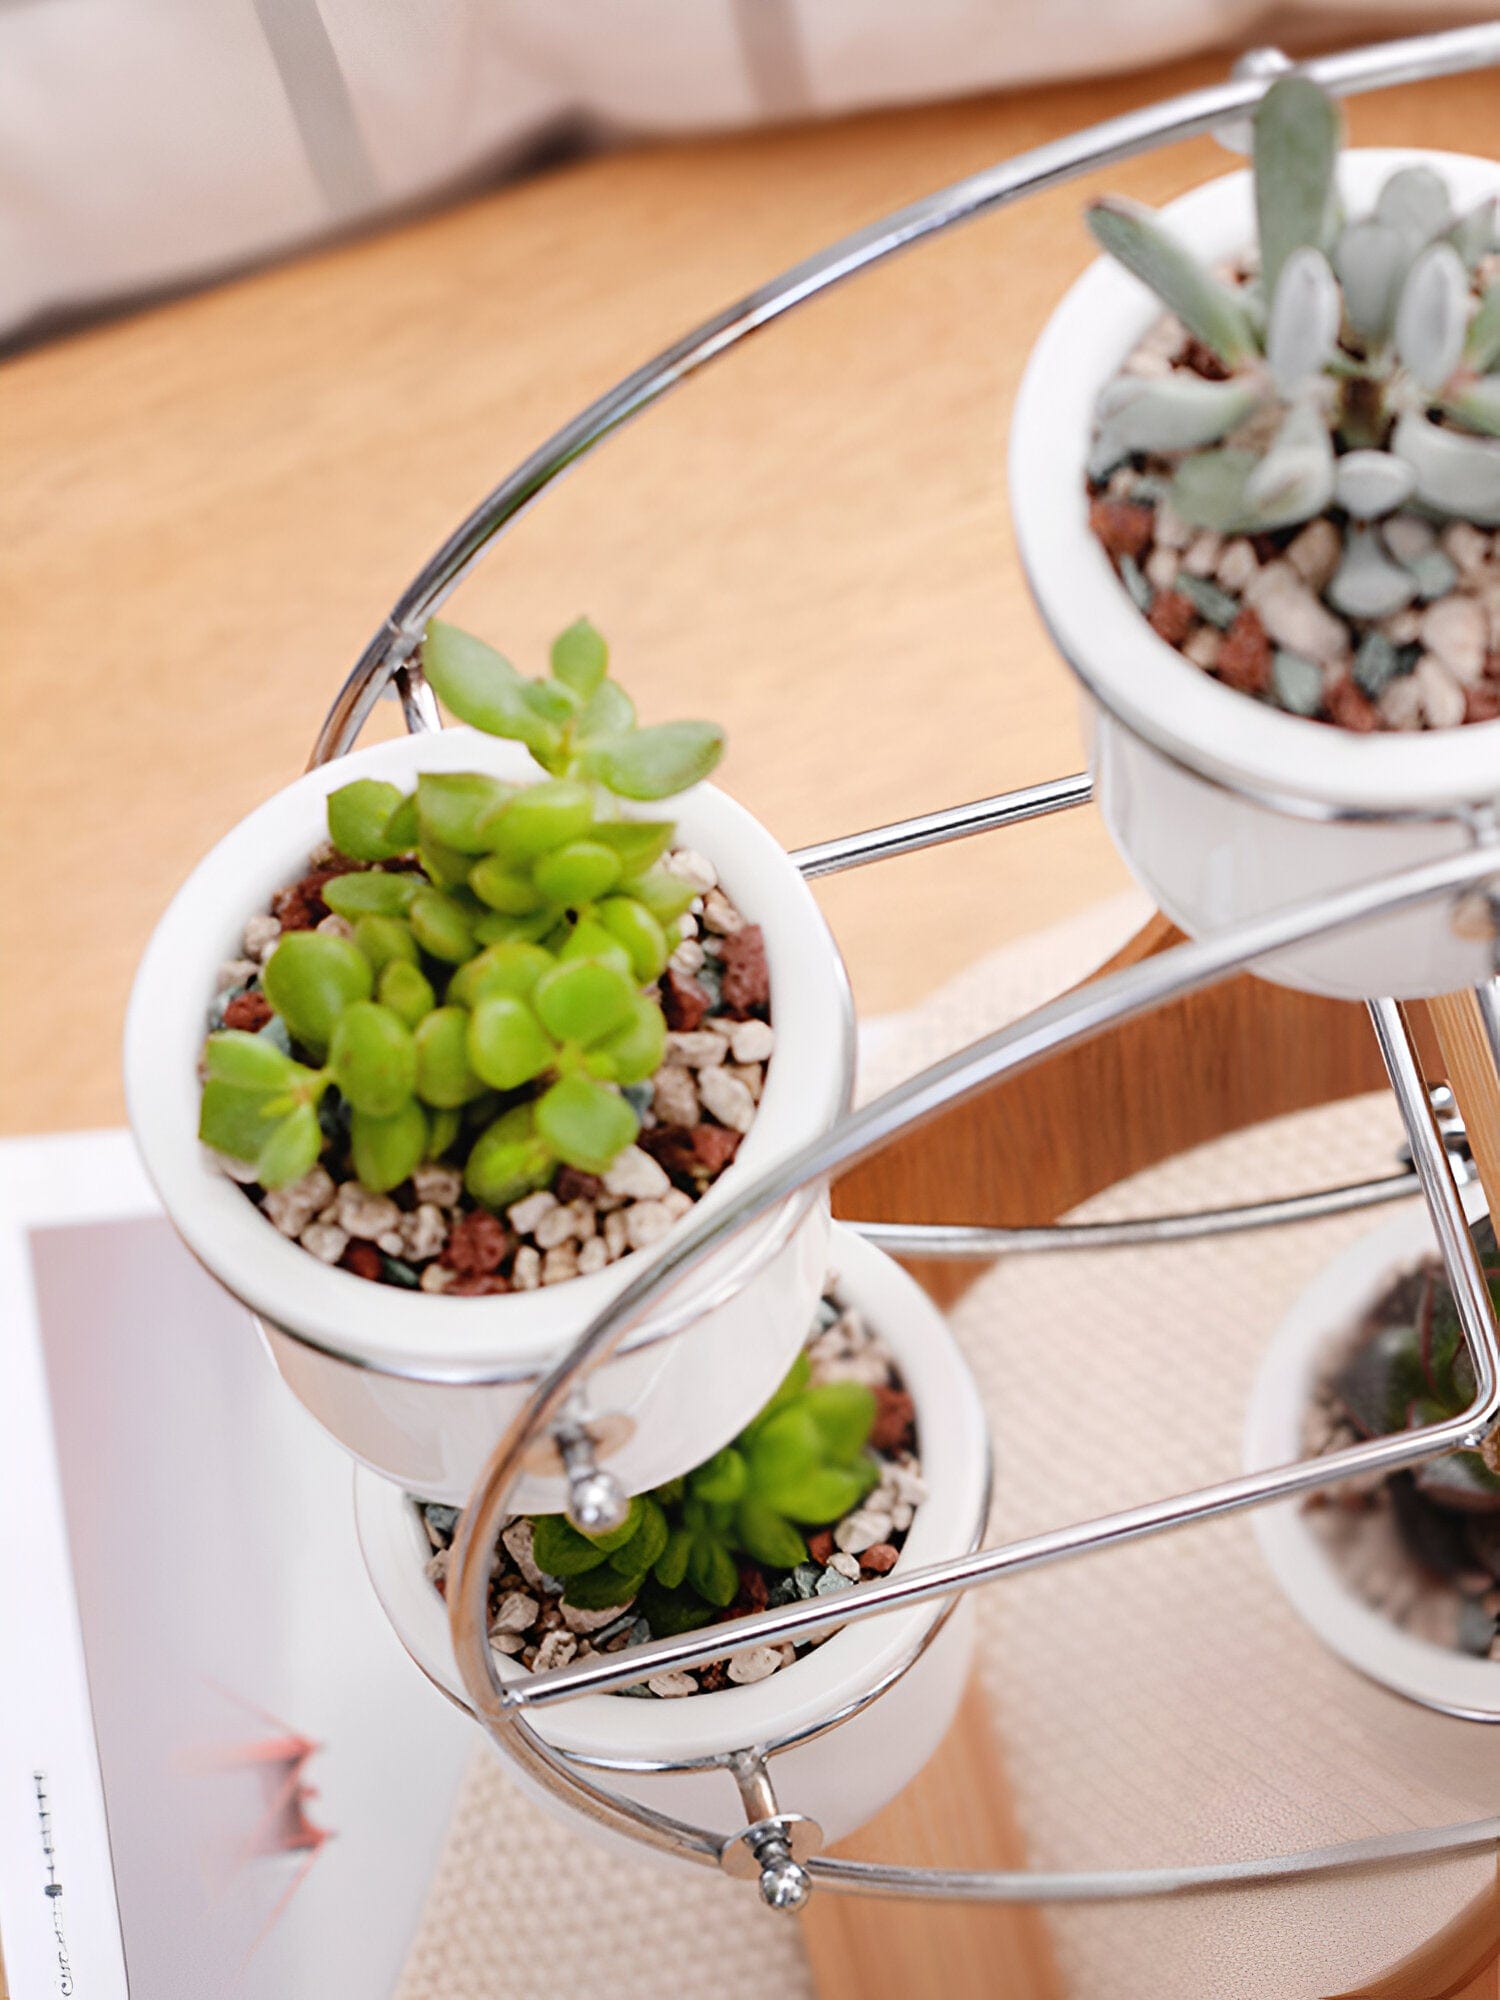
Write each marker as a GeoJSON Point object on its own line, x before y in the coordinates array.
{"type": "Point", "coordinates": [1358, 342]}
{"type": "Point", "coordinates": [1414, 1369]}
{"type": "Point", "coordinates": [803, 1462]}
{"type": "Point", "coordinates": [496, 978]}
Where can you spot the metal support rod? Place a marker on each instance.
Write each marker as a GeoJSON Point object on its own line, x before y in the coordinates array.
{"type": "Point", "coordinates": [1072, 1019]}
{"type": "Point", "coordinates": [1346, 73]}
{"type": "Point", "coordinates": [980, 1240]}
{"type": "Point", "coordinates": [935, 829]}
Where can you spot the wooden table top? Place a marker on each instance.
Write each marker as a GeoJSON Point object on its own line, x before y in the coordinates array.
{"type": "Point", "coordinates": [209, 506]}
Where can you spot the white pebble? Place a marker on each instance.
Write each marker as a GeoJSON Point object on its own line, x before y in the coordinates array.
{"type": "Point", "coordinates": [846, 1565]}
{"type": "Point", "coordinates": [1401, 703]}
{"type": "Point", "coordinates": [751, 1075]}
{"type": "Point", "coordinates": [510, 1643]}
{"type": "Point", "coordinates": [243, 1171]}
{"type": "Point", "coordinates": [438, 1184]}
{"type": "Point", "coordinates": [1442, 698]}
{"type": "Point", "coordinates": [560, 1264]}
{"type": "Point", "coordinates": [325, 1241]}
{"type": "Point", "coordinates": [436, 1278]}
{"type": "Point", "coordinates": [692, 867]}
{"type": "Point", "coordinates": [1203, 647]}
{"type": "Point", "coordinates": [592, 1257]}
{"type": "Point", "coordinates": [423, 1232]}
{"type": "Point", "coordinates": [674, 1097]}
{"type": "Point", "coordinates": [261, 932]}
{"type": "Point", "coordinates": [1407, 536]}
{"type": "Point", "coordinates": [1202, 553]}
{"type": "Point", "coordinates": [647, 1222]}
{"type": "Point", "coordinates": [688, 957]}
{"type": "Point", "coordinates": [698, 1048]}
{"type": "Point", "coordinates": [727, 1098]}
{"type": "Point", "coordinates": [392, 1242]}
{"type": "Point", "coordinates": [673, 1684]}
{"type": "Point", "coordinates": [524, 1216]}
{"type": "Point", "coordinates": [292, 1208]}
{"type": "Point", "coordinates": [1172, 532]}
{"type": "Point", "coordinates": [517, 1538]}
{"type": "Point", "coordinates": [333, 925]}
{"type": "Point", "coordinates": [234, 973]}
{"type": "Point", "coordinates": [751, 1041]}
{"type": "Point", "coordinates": [636, 1176]}
{"type": "Point", "coordinates": [1315, 553]}
{"type": "Point", "coordinates": [1162, 566]}
{"type": "Point", "coordinates": [526, 1271]}
{"type": "Point", "coordinates": [616, 1234]}
{"type": "Point", "coordinates": [1293, 616]}
{"type": "Point", "coordinates": [676, 1203]}
{"type": "Point", "coordinates": [366, 1215]}
{"type": "Point", "coordinates": [1237, 564]}
{"type": "Point", "coordinates": [1402, 627]}
{"type": "Point", "coordinates": [516, 1612]}
{"type": "Point", "coordinates": [1454, 629]}
{"type": "Point", "coordinates": [861, 1530]}
{"type": "Point", "coordinates": [719, 914]}
{"type": "Point", "coordinates": [758, 1664]}
{"type": "Point", "coordinates": [560, 1224]}
{"type": "Point", "coordinates": [1466, 547]}
{"type": "Point", "coordinates": [555, 1651]}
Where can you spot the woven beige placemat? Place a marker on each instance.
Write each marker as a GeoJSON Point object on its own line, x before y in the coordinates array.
{"type": "Point", "coordinates": [1156, 1704]}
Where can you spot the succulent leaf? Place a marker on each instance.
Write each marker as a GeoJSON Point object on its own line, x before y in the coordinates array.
{"type": "Point", "coordinates": [1371, 484]}
{"type": "Point", "coordinates": [481, 687]}
{"type": "Point", "coordinates": [1415, 201]}
{"type": "Point", "coordinates": [1367, 584]}
{"type": "Point", "coordinates": [1477, 405]}
{"type": "Point", "coordinates": [1296, 149]}
{"type": "Point", "coordinates": [1303, 330]}
{"type": "Point", "coordinates": [1294, 480]}
{"type": "Point", "coordinates": [1209, 490]}
{"type": "Point", "coordinates": [654, 763]}
{"type": "Point", "coordinates": [386, 1151]}
{"type": "Point", "coordinates": [1432, 317]}
{"type": "Point", "coordinates": [1173, 413]}
{"type": "Point", "coordinates": [1207, 307]}
{"type": "Point", "coordinates": [1370, 261]}
{"type": "Point", "coordinates": [1473, 234]}
{"type": "Point", "coordinates": [1482, 343]}
{"type": "Point", "coordinates": [1455, 474]}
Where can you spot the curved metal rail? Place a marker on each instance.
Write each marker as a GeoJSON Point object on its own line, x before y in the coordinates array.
{"type": "Point", "coordinates": [772, 1836]}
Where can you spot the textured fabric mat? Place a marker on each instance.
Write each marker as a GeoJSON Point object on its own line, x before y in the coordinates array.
{"type": "Point", "coordinates": [1155, 1704]}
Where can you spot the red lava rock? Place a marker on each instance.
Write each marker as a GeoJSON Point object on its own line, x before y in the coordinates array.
{"type": "Point", "coordinates": [1351, 708]}
{"type": "Point", "coordinates": [249, 1011]}
{"type": "Point", "coordinates": [714, 1676]}
{"type": "Point", "coordinates": [692, 1155]}
{"type": "Point", "coordinates": [574, 1185]}
{"type": "Point", "coordinates": [476, 1285]}
{"type": "Point", "coordinates": [820, 1545]}
{"type": "Point", "coordinates": [363, 1259]}
{"type": "Point", "coordinates": [754, 1593]}
{"type": "Point", "coordinates": [895, 1420]}
{"type": "Point", "coordinates": [1481, 704]}
{"type": "Point", "coordinates": [1123, 526]}
{"type": "Point", "coordinates": [478, 1244]}
{"type": "Point", "coordinates": [1244, 660]}
{"type": "Point", "coordinates": [1172, 616]}
{"type": "Point", "coordinates": [1203, 361]}
{"type": "Point", "coordinates": [300, 906]}
{"type": "Point", "coordinates": [879, 1559]}
{"type": "Point", "coordinates": [683, 1001]}
{"type": "Point", "coordinates": [746, 987]}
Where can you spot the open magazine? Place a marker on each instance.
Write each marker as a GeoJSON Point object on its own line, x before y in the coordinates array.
{"type": "Point", "coordinates": [219, 1773]}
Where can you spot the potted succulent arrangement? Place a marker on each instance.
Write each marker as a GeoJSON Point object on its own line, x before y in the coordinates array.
{"type": "Point", "coordinates": [1400, 1574]}
{"type": "Point", "coordinates": [871, 1456]}
{"type": "Point", "coordinates": [1255, 470]}
{"type": "Point", "coordinates": [442, 1039]}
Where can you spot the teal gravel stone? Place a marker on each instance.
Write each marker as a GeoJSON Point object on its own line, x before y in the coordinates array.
{"type": "Point", "coordinates": [1376, 664]}
{"type": "Point", "coordinates": [1216, 605]}
{"type": "Point", "coordinates": [1134, 581]}
{"type": "Point", "coordinates": [1297, 682]}
{"type": "Point", "coordinates": [1434, 573]}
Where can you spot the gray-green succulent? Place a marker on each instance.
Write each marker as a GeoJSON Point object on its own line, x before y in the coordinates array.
{"type": "Point", "coordinates": [1356, 360]}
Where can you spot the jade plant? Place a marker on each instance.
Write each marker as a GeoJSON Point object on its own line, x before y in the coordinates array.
{"type": "Point", "coordinates": [503, 942]}
{"type": "Point", "coordinates": [1354, 363]}
{"type": "Point", "coordinates": [803, 1462]}
{"type": "Point", "coordinates": [1414, 1369]}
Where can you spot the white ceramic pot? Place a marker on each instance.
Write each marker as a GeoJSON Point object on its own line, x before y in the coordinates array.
{"type": "Point", "coordinates": [842, 1776]}
{"type": "Point", "coordinates": [1182, 764]}
{"type": "Point", "coordinates": [407, 1380]}
{"type": "Point", "coordinates": [1321, 1320]}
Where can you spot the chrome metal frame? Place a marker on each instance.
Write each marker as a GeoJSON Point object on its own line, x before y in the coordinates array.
{"type": "Point", "coordinates": [775, 1840]}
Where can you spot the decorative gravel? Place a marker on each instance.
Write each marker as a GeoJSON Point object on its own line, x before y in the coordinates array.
{"type": "Point", "coordinates": [429, 1234]}
{"type": "Point", "coordinates": [1253, 611]}
{"type": "Point", "coordinates": [530, 1622]}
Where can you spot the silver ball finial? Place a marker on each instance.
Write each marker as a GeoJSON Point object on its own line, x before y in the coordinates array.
{"type": "Point", "coordinates": [784, 1884]}
{"type": "Point", "coordinates": [596, 1502]}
